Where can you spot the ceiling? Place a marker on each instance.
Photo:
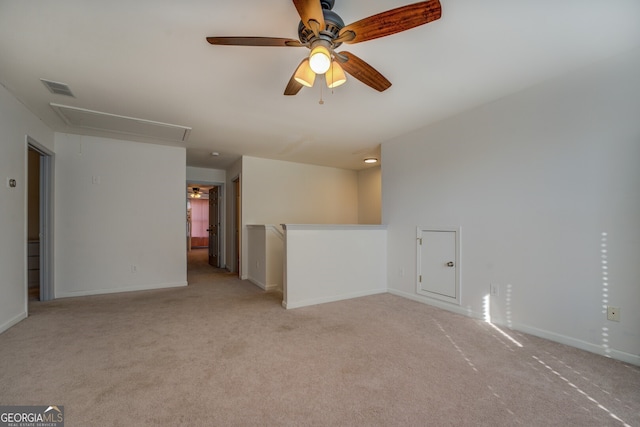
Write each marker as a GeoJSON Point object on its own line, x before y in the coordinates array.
{"type": "Point", "coordinates": [148, 59]}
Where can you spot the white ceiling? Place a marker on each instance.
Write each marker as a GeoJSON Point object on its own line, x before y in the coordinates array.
{"type": "Point", "coordinates": [148, 59]}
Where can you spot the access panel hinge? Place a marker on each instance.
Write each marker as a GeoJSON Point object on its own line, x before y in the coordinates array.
{"type": "Point", "coordinates": [421, 278]}
{"type": "Point", "coordinates": [420, 241]}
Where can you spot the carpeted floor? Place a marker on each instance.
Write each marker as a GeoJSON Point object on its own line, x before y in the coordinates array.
{"type": "Point", "coordinates": [221, 352]}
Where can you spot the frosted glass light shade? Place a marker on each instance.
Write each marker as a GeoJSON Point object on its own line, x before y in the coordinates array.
{"type": "Point", "coordinates": [335, 76]}
{"type": "Point", "coordinates": [304, 74]}
{"type": "Point", "coordinates": [320, 59]}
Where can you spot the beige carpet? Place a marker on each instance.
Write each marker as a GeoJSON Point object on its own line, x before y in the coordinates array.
{"type": "Point", "coordinates": [221, 352]}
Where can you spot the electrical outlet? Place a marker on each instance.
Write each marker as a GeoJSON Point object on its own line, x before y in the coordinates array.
{"type": "Point", "coordinates": [495, 290]}
{"type": "Point", "coordinates": [613, 313]}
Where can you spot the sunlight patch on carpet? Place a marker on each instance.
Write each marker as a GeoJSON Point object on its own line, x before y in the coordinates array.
{"type": "Point", "coordinates": [487, 318]}
{"type": "Point", "coordinates": [582, 392]}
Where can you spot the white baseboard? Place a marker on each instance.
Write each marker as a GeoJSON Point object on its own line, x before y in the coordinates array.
{"type": "Point", "coordinates": [315, 301]}
{"type": "Point", "coordinates": [551, 336]}
{"type": "Point", "coordinates": [118, 290]}
{"type": "Point", "coordinates": [257, 283]}
{"type": "Point", "coordinates": [437, 303]}
{"type": "Point", "coordinates": [13, 321]}
{"type": "Point", "coordinates": [266, 288]}
{"type": "Point", "coordinates": [633, 359]}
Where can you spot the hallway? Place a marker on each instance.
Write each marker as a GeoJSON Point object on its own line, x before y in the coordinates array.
{"type": "Point", "coordinates": [199, 270]}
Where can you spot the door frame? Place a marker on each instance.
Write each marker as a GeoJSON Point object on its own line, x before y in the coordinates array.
{"type": "Point", "coordinates": [217, 225]}
{"type": "Point", "coordinates": [458, 257]}
{"type": "Point", "coordinates": [47, 170]}
{"type": "Point", "coordinates": [236, 225]}
{"type": "Point", "coordinates": [221, 214]}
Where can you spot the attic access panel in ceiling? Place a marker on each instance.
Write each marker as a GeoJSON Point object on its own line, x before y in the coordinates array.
{"type": "Point", "coordinates": [96, 120]}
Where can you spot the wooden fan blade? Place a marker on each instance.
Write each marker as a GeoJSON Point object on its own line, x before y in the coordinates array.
{"type": "Point", "coordinates": [293, 87]}
{"type": "Point", "coordinates": [363, 72]}
{"type": "Point", "coordinates": [254, 41]}
{"type": "Point", "coordinates": [310, 11]}
{"type": "Point", "coordinates": [394, 21]}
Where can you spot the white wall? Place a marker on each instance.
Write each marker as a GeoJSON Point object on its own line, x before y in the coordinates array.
{"type": "Point", "coordinates": [265, 243]}
{"type": "Point", "coordinates": [325, 263]}
{"type": "Point", "coordinates": [16, 122]}
{"type": "Point", "coordinates": [118, 204]}
{"type": "Point", "coordinates": [274, 240]}
{"type": "Point", "coordinates": [370, 196]}
{"type": "Point", "coordinates": [205, 175]}
{"type": "Point", "coordinates": [534, 180]}
{"type": "Point", "coordinates": [277, 192]}
{"type": "Point", "coordinates": [257, 253]}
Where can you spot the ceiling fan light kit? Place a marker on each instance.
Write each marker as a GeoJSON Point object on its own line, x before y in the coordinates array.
{"type": "Point", "coordinates": [304, 74]}
{"type": "Point", "coordinates": [320, 59]}
{"type": "Point", "coordinates": [195, 194]}
{"type": "Point", "coordinates": [322, 31]}
{"type": "Point", "coordinates": [335, 76]}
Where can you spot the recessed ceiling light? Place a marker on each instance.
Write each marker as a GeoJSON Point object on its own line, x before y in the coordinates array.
{"type": "Point", "coordinates": [215, 154]}
{"type": "Point", "coordinates": [371, 160]}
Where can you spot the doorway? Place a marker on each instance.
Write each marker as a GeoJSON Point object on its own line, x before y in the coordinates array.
{"type": "Point", "coordinates": [40, 172]}
{"type": "Point", "coordinates": [33, 224]}
{"type": "Point", "coordinates": [205, 241]}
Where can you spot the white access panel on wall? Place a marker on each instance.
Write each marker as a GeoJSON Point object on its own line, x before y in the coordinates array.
{"type": "Point", "coordinates": [438, 258]}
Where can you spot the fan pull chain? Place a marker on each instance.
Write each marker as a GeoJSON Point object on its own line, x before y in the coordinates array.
{"type": "Point", "coordinates": [321, 100]}
{"type": "Point", "coordinates": [332, 81]}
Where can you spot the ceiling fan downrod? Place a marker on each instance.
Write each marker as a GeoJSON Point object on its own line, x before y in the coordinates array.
{"type": "Point", "coordinates": [333, 25]}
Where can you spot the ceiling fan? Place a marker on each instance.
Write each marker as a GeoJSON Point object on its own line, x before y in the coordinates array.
{"type": "Point", "coordinates": [322, 31]}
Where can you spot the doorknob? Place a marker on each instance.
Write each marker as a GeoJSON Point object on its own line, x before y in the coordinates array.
{"type": "Point", "coordinates": [450, 264]}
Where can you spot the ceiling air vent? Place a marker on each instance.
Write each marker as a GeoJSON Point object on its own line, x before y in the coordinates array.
{"type": "Point", "coordinates": [57, 88]}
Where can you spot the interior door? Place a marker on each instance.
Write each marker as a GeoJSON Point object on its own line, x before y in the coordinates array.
{"type": "Point", "coordinates": [214, 226]}
{"type": "Point", "coordinates": [438, 270]}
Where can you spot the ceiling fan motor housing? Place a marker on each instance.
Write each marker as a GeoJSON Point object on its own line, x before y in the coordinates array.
{"type": "Point", "coordinates": [333, 25]}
